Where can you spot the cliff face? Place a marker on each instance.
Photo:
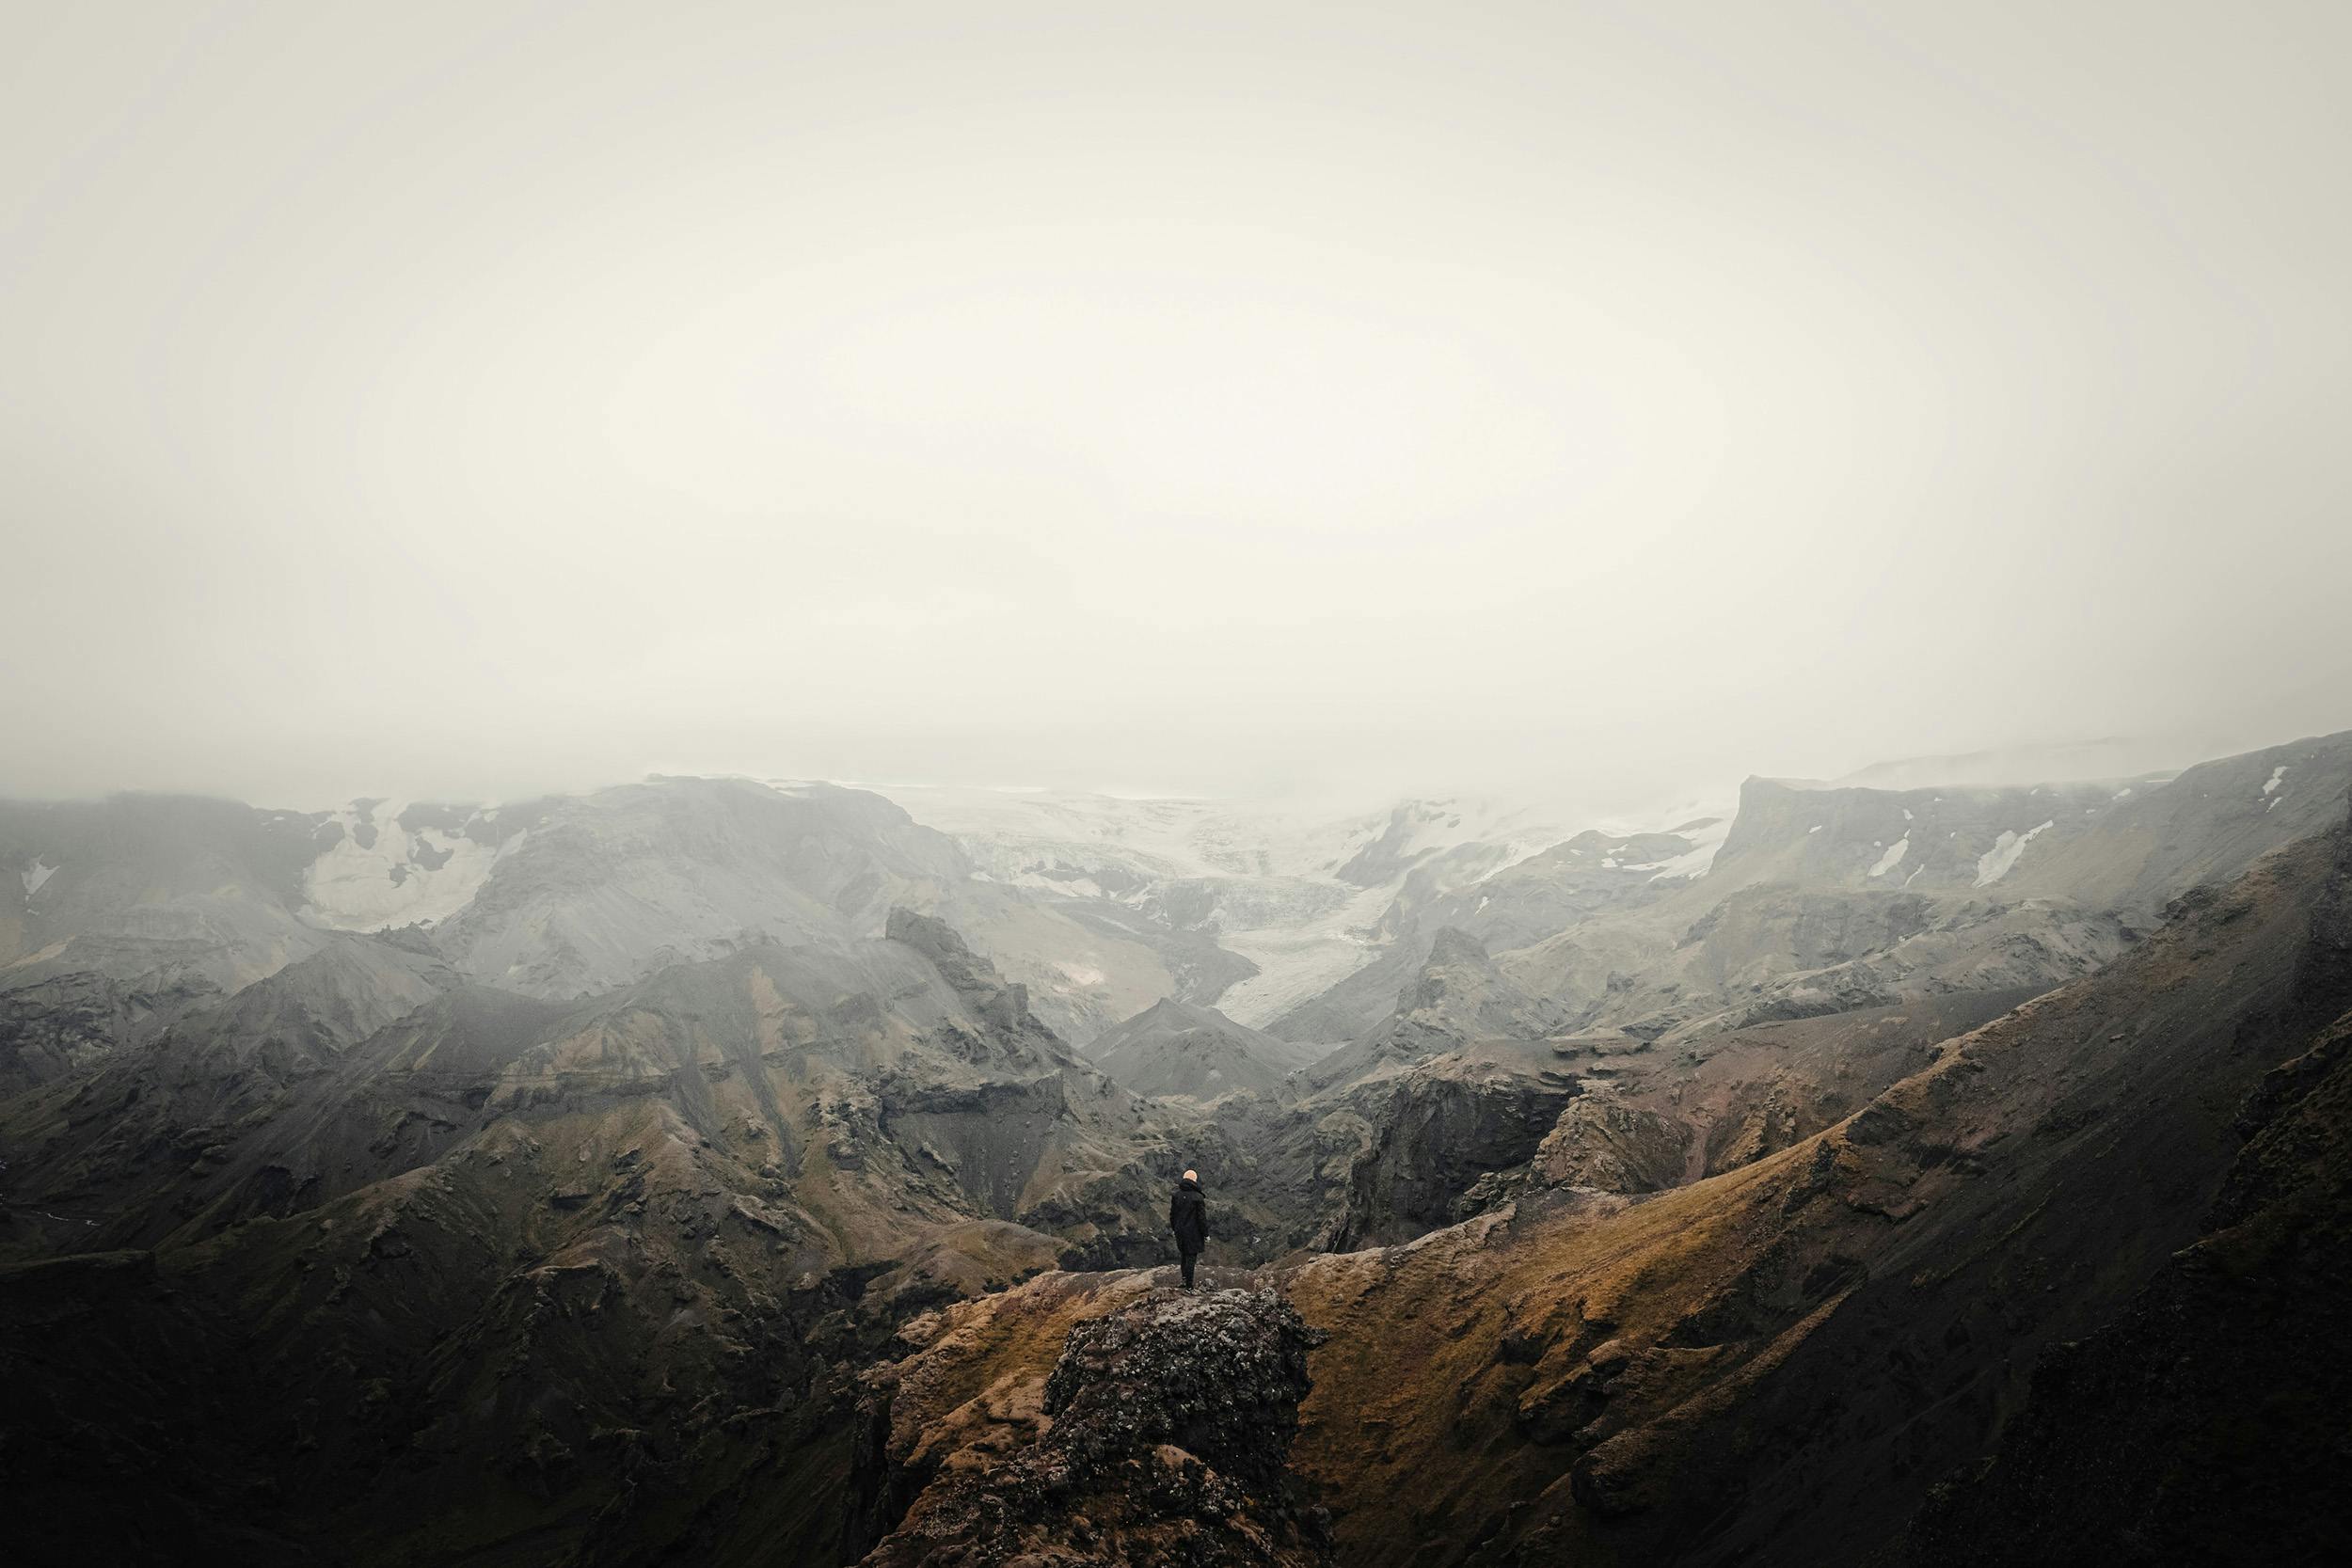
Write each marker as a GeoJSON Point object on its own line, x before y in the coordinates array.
{"type": "Point", "coordinates": [1444, 1127]}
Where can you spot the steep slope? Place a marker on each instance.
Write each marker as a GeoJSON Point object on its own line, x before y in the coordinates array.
{"type": "Point", "coordinates": [1175, 1049]}
{"type": "Point", "coordinates": [1773, 1365]}
{"type": "Point", "coordinates": [1457, 1084]}
{"type": "Point", "coordinates": [210, 880]}
{"type": "Point", "coordinates": [2204, 1424]}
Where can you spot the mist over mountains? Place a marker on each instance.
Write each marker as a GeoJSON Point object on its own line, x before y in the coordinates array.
{"type": "Point", "coordinates": [720, 1166]}
{"type": "Point", "coordinates": [1116, 787]}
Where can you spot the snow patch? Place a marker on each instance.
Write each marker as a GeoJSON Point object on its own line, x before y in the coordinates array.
{"type": "Point", "coordinates": [2277, 774]}
{"type": "Point", "coordinates": [403, 878]}
{"type": "Point", "coordinates": [35, 877]}
{"type": "Point", "coordinates": [1894, 856]}
{"type": "Point", "coordinates": [1064, 886]}
{"type": "Point", "coordinates": [1995, 864]}
{"type": "Point", "coordinates": [1705, 840]}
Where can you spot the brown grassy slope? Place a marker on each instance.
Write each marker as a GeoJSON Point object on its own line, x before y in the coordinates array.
{"type": "Point", "coordinates": [1780, 1361]}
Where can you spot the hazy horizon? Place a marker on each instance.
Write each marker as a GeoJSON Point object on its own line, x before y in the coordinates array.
{"type": "Point", "coordinates": [1633, 803]}
{"type": "Point", "coordinates": [1594, 401]}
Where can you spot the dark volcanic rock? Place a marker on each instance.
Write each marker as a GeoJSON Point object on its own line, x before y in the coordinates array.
{"type": "Point", "coordinates": [1164, 1437]}
{"type": "Point", "coordinates": [1445, 1127]}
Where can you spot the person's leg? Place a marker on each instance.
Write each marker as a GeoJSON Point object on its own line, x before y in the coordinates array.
{"type": "Point", "coordinates": [1189, 1259]}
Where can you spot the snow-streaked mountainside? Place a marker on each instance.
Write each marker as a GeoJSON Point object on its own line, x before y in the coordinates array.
{"type": "Point", "coordinates": [1297, 896]}
{"type": "Point", "coordinates": [1305, 925]}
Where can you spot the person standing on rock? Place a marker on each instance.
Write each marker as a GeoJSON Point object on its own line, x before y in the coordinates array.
{"type": "Point", "coordinates": [1188, 1216]}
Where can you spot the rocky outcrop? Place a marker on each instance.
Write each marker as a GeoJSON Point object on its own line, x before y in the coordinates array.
{"type": "Point", "coordinates": [1002, 1006]}
{"type": "Point", "coordinates": [1460, 996]}
{"type": "Point", "coordinates": [1443, 1129]}
{"type": "Point", "coordinates": [1161, 1435]}
{"type": "Point", "coordinates": [1457, 997]}
{"type": "Point", "coordinates": [1599, 1141]}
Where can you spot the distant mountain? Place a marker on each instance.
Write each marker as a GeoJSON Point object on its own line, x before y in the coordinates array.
{"type": "Point", "coordinates": [131, 1148]}
{"type": "Point", "coordinates": [612, 886]}
{"type": "Point", "coordinates": [1250, 910]}
{"type": "Point", "coordinates": [1174, 1047]}
{"type": "Point", "coordinates": [129, 912]}
{"type": "Point", "coordinates": [1517, 903]}
{"type": "Point", "coordinates": [2117, 758]}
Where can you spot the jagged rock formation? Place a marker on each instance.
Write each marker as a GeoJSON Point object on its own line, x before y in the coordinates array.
{"type": "Point", "coordinates": [1162, 1434]}
{"type": "Point", "coordinates": [1457, 997]}
{"type": "Point", "coordinates": [1443, 1129]}
{"type": "Point", "coordinates": [1601, 1142]}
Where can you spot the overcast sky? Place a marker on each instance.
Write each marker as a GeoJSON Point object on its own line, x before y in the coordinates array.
{"type": "Point", "coordinates": [470, 400]}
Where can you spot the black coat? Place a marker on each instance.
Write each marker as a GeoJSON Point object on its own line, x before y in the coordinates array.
{"type": "Point", "coordinates": [1188, 1216]}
